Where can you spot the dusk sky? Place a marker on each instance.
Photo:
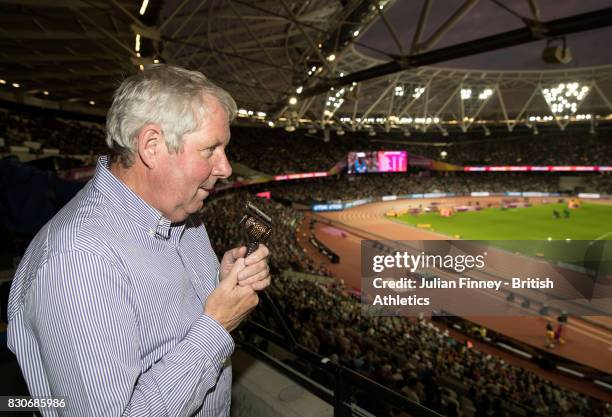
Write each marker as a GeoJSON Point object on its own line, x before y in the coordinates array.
{"type": "Point", "coordinates": [485, 19]}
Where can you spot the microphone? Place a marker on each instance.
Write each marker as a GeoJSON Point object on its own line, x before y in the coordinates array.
{"type": "Point", "coordinates": [257, 226]}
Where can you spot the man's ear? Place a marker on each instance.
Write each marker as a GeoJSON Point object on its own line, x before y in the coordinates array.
{"type": "Point", "coordinates": [149, 144]}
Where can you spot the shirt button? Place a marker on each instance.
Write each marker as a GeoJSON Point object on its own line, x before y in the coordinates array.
{"type": "Point", "coordinates": [151, 232]}
{"type": "Point", "coordinates": [161, 221]}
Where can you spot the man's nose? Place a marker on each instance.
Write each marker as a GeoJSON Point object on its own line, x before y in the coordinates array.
{"type": "Point", "coordinates": [223, 168]}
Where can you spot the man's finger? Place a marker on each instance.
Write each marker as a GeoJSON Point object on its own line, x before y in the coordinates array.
{"type": "Point", "coordinates": [260, 285]}
{"type": "Point", "coordinates": [239, 252]}
{"type": "Point", "coordinates": [231, 255]}
{"type": "Point", "coordinates": [232, 278]}
{"type": "Point", "coordinates": [261, 253]}
{"type": "Point", "coordinates": [253, 270]}
{"type": "Point", "coordinates": [254, 278]}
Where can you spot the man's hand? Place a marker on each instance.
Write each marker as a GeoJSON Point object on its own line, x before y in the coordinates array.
{"type": "Point", "coordinates": [229, 304]}
{"type": "Point", "coordinates": [229, 259]}
{"type": "Point", "coordinates": [256, 273]}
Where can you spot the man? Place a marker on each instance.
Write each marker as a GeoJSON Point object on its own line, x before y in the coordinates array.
{"type": "Point", "coordinates": [119, 304]}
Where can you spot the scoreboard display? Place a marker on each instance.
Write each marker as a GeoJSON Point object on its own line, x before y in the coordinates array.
{"type": "Point", "coordinates": [392, 161]}
{"type": "Point", "coordinates": [377, 161]}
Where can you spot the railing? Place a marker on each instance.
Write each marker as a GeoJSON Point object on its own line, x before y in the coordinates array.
{"type": "Point", "coordinates": [346, 382]}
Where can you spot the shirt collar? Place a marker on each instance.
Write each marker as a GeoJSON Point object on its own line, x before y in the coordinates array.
{"type": "Point", "coordinates": [125, 200]}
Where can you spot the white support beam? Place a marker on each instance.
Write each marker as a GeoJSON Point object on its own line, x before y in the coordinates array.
{"type": "Point", "coordinates": [353, 118]}
{"type": "Point", "coordinates": [107, 34]}
{"type": "Point", "coordinates": [307, 103]}
{"type": "Point", "coordinates": [462, 111]}
{"type": "Point", "coordinates": [306, 36]}
{"type": "Point", "coordinates": [378, 100]}
{"type": "Point", "coordinates": [502, 104]}
{"type": "Point", "coordinates": [475, 115]}
{"type": "Point", "coordinates": [54, 4]}
{"type": "Point", "coordinates": [240, 31]}
{"type": "Point", "coordinates": [426, 109]}
{"type": "Point", "coordinates": [259, 44]}
{"type": "Point", "coordinates": [414, 100]}
{"type": "Point", "coordinates": [420, 27]}
{"type": "Point", "coordinates": [391, 31]}
{"type": "Point", "coordinates": [169, 18]}
{"type": "Point", "coordinates": [24, 76]}
{"type": "Point", "coordinates": [527, 103]}
{"type": "Point", "coordinates": [253, 75]}
{"type": "Point", "coordinates": [232, 70]}
{"type": "Point", "coordinates": [176, 53]}
{"type": "Point", "coordinates": [55, 35]}
{"type": "Point", "coordinates": [32, 59]}
{"type": "Point", "coordinates": [390, 108]}
{"type": "Point", "coordinates": [448, 25]}
{"type": "Point", "coordinates": [602, 95]}
{"type": "Point", "coordinates": [189, 18]}
{"type": "Point", "coordinates": [324, 107]}
{"type": "Point", "coordinates": [126, 12]}
{"type": "Point", "coordinates": [456, 91]}
{"type": "Point", "coordinates": [535, 10]}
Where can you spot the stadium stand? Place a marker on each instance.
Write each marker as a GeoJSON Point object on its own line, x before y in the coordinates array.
{"type": "Point", "coordinates": [459, 91]}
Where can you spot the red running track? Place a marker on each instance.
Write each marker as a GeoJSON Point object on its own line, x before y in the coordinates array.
{"type": "Point", "coordinates": [586, 344]}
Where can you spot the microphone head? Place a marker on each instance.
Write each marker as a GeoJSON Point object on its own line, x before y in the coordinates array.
{"type": "Point", "coordinates": [257, 226]}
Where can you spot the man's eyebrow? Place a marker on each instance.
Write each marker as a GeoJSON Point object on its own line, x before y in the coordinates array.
{"type": "Point", "coordinates": [218, 142]}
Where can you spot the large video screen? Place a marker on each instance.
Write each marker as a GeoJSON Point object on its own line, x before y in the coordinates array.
{"type": "Point", "coordinates": [377, 161]}
{"type": "Point", "coordinates": [392, 161]}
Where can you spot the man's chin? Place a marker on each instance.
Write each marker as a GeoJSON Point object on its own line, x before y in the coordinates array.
{"type": "Point", "coordinates": [196, 206]}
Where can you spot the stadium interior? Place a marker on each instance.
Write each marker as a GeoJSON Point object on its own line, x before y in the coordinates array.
{"type": "Point", "coordinates": [358, 121]}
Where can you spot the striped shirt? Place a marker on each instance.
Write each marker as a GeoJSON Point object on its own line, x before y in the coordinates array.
{"type": "Point", "coordinates": [107, 310]}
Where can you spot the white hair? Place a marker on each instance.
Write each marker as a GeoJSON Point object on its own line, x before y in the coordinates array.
{"type": "Point", "coordinates": [171, 97]}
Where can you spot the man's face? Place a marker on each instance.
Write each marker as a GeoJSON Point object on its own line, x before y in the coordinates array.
{"type": "Point", "coordinates": [188, 176]}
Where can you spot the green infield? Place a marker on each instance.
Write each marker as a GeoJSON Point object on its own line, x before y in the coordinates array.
{"type": "Point", "coordinates": [589, 222]}
{"type": "Point", "coordinates": [511, 228]}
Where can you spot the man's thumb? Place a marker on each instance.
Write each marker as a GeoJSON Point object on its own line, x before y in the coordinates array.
{"type": "Point", "coordinates": [231, 279]}
{"type": "Point", "coordinates": [240, 252]}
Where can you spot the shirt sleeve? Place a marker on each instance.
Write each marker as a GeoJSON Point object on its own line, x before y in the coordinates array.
{"type": "Point", "coordinates": [83, 314]}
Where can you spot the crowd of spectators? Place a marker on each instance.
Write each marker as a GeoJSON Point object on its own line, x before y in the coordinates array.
{"type": "Point", "coordinates": [599, 183]}
{"type": "Point", "coordinates": [222, 216]}
{"type": "Point", "coordinates": [70, 137]}
{"type": "Point", "coordinates": [552, 147]}
{"type": "Point", "coordinates": [419, 359]}
{"type": "Point", "coordinates": [349, 187]}
{"type": "Point", "coordinates": [275, 151]}
{"type": "Point", "coordinates": [414, 357]}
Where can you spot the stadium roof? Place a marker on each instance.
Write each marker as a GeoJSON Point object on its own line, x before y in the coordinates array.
{"type": "Point", "coordinates": [330, 59]}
